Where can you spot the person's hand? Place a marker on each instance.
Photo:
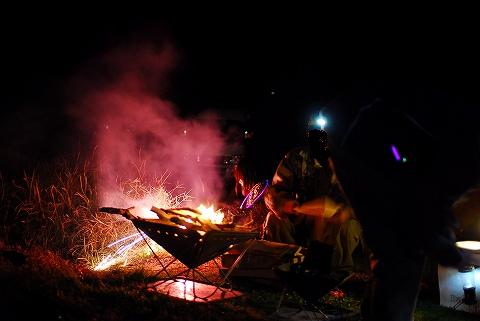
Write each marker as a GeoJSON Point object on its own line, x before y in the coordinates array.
{"type": "Point", "coordinates": [289, 206]}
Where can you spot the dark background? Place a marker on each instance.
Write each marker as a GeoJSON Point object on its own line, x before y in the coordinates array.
{"type": "Point", "coordinates": [269, 72]}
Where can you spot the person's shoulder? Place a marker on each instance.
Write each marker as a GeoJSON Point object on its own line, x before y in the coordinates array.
{"type": "Point", "coordinates": [296, 153]}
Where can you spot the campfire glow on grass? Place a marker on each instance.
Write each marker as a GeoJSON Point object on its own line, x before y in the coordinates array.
{"type": "Point", "coordinates": [110, 240]}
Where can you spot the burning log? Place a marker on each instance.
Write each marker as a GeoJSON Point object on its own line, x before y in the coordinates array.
{"type": "Point", "coordinates": [125, 212]}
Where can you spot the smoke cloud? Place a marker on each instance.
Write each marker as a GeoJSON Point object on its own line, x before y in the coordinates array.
{"type": "Point", "coordinates": [137, 133]}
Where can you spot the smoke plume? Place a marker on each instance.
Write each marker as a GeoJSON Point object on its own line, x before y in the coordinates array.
{"type": "Point", "coordinates": [136, 132]}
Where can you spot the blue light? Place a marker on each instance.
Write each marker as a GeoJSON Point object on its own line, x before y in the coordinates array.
{"type": "Point", "coordinates": [321, 121]}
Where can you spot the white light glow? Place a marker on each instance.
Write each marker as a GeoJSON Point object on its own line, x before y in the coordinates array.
{"type": "Point", "coordinates": [322, 122]}
{"type": "Point", "coordinates": [469, 245]}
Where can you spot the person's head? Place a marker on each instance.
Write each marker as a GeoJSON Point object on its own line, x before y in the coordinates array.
{"type": "Point", "coordinates": [245, 177]}
{"type": "Point", "coordinates": [318, 142]}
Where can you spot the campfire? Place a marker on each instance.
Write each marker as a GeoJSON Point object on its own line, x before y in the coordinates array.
{"type": "Point", "coordinates": [193, 236]}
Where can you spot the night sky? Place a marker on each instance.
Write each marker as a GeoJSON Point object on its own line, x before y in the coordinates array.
{"type": "Point", "coordinates": [270, 72]}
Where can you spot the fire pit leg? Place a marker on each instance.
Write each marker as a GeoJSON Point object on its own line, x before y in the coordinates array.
{"type": "Point", "coordinates": [164, 268]}
{"type": "Point", "coordinates": [237, 261]}
{"type": "Point", "coordinates": [219, 283]}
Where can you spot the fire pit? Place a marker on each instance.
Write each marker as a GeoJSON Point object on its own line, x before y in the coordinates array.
{"type": "Point", "coordinates": [185, 235]}
{"type": "Point", "coordinates": [189, 238]}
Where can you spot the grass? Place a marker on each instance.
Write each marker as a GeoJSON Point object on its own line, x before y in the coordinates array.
{"type": "Point", "coordinates": [50, 210]}
{"type": "Point", "coordinates": [55, 207]}
{"type": "Point", "coordinates": [47, 287]}
{"type": "Point", "coordinates": [44, 286]}
{"type": "Point", "coordinates": [427, 311]}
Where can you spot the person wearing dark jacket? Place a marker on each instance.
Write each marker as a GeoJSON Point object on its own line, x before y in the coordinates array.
{"type": "Point", "coordinates": [401, 181]}
{"type": "Point", "coordinates": [307, 203]}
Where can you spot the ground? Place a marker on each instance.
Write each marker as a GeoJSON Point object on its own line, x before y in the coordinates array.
{"type": "Point", "coordinates": [38, 285]}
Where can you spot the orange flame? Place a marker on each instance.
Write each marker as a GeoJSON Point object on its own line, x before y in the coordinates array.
{"type": "Point", "coordinates": [144, 212]}
{"type": "Point", "coordinates": [209, 213]}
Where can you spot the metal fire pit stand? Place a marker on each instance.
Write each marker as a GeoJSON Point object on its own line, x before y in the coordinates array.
{"type": "Point", "coordinates": [184, 275]}
{"type": "Point", "coordinates": [192, 245]}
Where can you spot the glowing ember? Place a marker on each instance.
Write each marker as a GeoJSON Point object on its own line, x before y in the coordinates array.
{"type": "Point", "coordinates": [208, 213]}
{"type": "Point", "coordinates": [194, 291]}
{"type": "Point", "coordinates": [121, 253]}
{"type": "Point", "coordinates": [125, 244]}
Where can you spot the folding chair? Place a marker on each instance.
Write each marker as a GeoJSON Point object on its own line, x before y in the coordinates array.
{"type": "Point", "coordinates": [311, 280]}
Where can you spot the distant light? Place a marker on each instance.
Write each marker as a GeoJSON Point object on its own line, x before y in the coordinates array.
{"type": "Point", "coordinates": [272, 93]}
{"type": "Point", "coordinates": [322, 122]}
{"type": "Point", "coordinates": [404, 159]}
{"type": "Point", "coordinates": [184, 131]}
{"type": "Point", "coordinates": [396, 154]}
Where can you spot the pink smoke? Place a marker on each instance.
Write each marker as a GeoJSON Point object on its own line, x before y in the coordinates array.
{"type": "Point", "coordinates": [132, 126]}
